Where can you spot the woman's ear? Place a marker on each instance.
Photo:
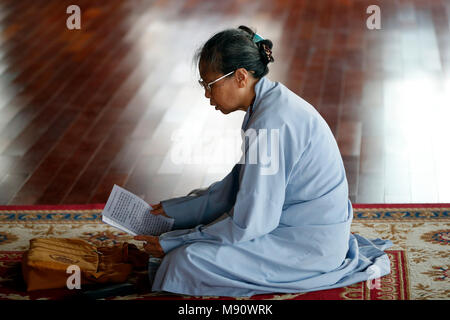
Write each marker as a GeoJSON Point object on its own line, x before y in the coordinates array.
{"type": "Point", "coordinates": [241, 76]}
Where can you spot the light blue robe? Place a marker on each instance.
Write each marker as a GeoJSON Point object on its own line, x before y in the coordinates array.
{"type": "Point", "coordinates": [253, 232]}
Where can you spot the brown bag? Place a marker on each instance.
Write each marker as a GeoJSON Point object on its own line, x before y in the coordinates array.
{"type": "Point", "coordinates": [44, 265]}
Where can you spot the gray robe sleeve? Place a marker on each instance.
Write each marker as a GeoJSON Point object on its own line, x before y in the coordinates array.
{"type": "Point", "coordinates": [202, 206]}
{"type": "Point", "coordinates": [256, 208]}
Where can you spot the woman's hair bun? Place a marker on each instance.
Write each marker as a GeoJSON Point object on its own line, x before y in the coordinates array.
{"type": "Point", "coordinates": [264, 46]}
{"type": "Point", "coordinates": [235, 48]}
{"type": "Point", "coordinates": [265, 49]}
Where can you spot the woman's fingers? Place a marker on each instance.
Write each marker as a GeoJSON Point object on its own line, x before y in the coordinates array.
{"type": "Point", "coordinates": [158, 209]}
{"type": "Point", "coordinates": [156, 205]}
{"type": "Point", "coordinates": [154, 249]}
{"type": "Point", "coordinates": [151, 246]}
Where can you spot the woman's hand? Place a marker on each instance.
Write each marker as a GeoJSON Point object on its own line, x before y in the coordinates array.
{"type": "Point", "coordinates": [158, 209]}
{"type": "Point", "coordinates": [151, 245]}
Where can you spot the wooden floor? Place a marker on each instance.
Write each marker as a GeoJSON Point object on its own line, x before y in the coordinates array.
{"type": "Point", "coordinates": [115, 102]}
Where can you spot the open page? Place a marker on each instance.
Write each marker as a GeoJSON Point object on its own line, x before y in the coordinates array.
{"type": "Point", "coordinates": [127, 212]}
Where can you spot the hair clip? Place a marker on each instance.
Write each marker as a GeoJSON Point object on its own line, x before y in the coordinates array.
{"type": "Point", "coordinates": [257, 38]}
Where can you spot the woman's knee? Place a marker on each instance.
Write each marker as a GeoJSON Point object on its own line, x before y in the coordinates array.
{"type": "Point", "coordinates": [177, 257]}
{"type": "Point", "coordinates": [187, 255]}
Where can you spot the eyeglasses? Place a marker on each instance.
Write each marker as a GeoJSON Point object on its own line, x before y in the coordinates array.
{"type": "Point", "coordinates": [207, 86]}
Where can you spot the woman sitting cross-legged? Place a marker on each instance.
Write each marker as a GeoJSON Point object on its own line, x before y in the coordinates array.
{"type": "Point", "coordinates": [283, 228]}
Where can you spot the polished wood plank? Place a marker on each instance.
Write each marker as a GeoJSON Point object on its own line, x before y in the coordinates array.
{"type": "Point", "coordinates": [82, 110]}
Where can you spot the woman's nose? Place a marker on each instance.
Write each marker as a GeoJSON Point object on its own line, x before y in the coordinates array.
{"type": "Point", "coordinates": [207, 94]}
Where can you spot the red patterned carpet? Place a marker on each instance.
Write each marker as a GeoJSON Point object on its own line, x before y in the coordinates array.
{"type": "Point", "coordinates": [419, 258]}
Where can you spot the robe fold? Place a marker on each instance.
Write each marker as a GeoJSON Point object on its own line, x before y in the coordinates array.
{"type": "Point", "coordinates": [274, 226]}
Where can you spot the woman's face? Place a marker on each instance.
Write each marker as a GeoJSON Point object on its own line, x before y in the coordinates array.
{"type": "Point", "coordinates": [225, 94]}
